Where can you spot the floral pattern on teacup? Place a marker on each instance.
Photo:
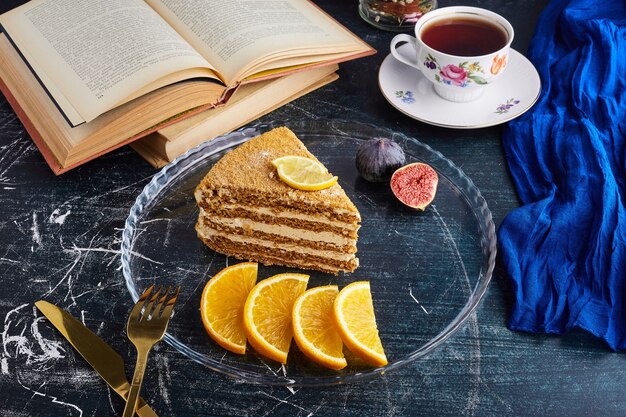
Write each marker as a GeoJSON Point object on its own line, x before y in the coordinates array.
{"type": "Point", "coordinates": [406, 96]}
{"type": "Point", "coordinates": [453, 74]}
{"type": "Point", "coordinates": [504, 108]}
{"type": "Point", "coordinates": [456, 75]}
{"type": "Point", "coordinates": [498, 64]}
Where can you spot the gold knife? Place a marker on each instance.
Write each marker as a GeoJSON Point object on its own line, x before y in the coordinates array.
{"type": "Point", "coordinates": [102, 358]}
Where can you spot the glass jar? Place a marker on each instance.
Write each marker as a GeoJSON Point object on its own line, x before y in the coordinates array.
{"type": "Point", "coordinates": [394, 15]}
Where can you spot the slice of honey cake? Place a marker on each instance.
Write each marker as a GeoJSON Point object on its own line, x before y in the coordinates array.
{"type": "Point", "coordinates": [247, 212]}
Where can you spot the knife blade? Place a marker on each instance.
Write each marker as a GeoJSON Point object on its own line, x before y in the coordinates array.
{"type": "Point", "coordinates": [102, 358]}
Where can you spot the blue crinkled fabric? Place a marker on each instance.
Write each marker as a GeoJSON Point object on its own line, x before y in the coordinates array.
{"type": "Point", "coordinates": [564, 249]}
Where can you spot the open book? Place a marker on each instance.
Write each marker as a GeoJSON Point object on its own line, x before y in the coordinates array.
{"type": "Point", "coordinates": [88, 76]}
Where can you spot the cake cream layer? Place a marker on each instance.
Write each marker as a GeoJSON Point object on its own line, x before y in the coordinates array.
{"type": "Point", "coordinates": [287, 217]}
{"type": "Point", "coordinates": [284, 201]}
{"type": "Point", "coordinates": [279, 233]}
{"type": "Point", "coordinates": [316, 232]}
{"type": "Point", "coordinates": [206, 232]}
{"type": "Point", "coordinates": [276, 256]}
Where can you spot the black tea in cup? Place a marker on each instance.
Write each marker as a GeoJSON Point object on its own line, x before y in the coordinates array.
{"type": "Point", "coordinates": [464, 36]}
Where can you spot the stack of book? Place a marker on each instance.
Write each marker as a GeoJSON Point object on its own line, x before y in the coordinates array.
{"type": "Point", "coordinates": [87, 77]}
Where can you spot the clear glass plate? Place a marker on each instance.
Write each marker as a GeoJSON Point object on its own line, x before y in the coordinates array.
{"type": "Point", "coordinates": [428, 270]}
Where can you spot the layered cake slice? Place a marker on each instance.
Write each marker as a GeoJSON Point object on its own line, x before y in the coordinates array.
{"type": "Point", "coordinates": [247, 212]}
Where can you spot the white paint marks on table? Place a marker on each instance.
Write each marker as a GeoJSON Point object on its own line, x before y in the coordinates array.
{"type": "Point", "coordinates": [50, 349]}
{"type": "Point", "coordinates": [53, 398]}
{"type": "Point", "coordinates": [304, 111]}
{"type": "Point", "coordinates": [8, 159]}
{"type": "Point", "coordinates": [22, 340]}
{"type": "Point", "coordinates": [320, 405]}
{"type": "Point", "coordinates": [155, 220]}
{"type": "Point", "coordinates": [164, 377]}
{"type": "Point", "coordinates": [113, 251]}
{"type": "Point", "coordinates": [109, 390]}
{"type": "Point", "coordinates": [36, 235]}
{"type": "Point", "coordinates": [57, 217]}
{"type": "Point", "coordinates": [7, 260]}
{"type": "Point", "coordinates": [418, 303]}
{"type": "Point", "coordinates": [282, 401]}
{"type": "Point", "coordinates": [275, 373]}
{"type": "Point", "coordinates": [70, 267]}
{"type": "Point", "coordinates": [4, 366]}
{"type": "Point", "coordinates": [284, 370]}
{"type": "Point", "coordinates": [73, 273]}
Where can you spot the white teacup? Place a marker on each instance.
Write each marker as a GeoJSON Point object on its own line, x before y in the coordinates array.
{"type": "Point", "coordinates": [456, 77]}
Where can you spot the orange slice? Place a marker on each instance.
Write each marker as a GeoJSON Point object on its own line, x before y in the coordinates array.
{"type": "Point", "coordinates": [222, 302]}
{"type": "Point", "coordinates": [303, 173]}
{"type": "Point", "coordinates": [314, 327]}
{"type": "Point", "coordinates": [356, 323]}
{"type": "Point", "coordinates": [267, 314]}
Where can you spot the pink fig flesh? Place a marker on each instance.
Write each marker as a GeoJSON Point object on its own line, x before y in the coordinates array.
{"type": "Point", "coordinates": [415, 185]}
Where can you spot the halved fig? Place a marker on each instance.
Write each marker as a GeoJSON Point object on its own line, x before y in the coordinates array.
{"type": "Point", "coordinates": [415, 185]}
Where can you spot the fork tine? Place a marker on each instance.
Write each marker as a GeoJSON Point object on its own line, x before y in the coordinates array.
{"type": "Point", "coordinates": [136, 311]}
{"type": "Point", "coordinates": [148, 310]}
{"type": "Point", "coordinates": [157, 310]}
{"type": "Point", "coordinates": [167, 311]}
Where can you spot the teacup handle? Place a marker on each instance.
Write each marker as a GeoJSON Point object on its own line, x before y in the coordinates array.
{"type": "Point", "coordinates": [404, 58]}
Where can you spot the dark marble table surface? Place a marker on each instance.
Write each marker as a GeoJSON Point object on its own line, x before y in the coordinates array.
{"type": "Point", "coordinates": [60, 241]}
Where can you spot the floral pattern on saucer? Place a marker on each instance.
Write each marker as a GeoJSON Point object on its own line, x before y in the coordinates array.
{"type": "Point", "coordinates": [504, 108]}
{"type": "Point", "coordinates": [459, 75]}
{"type": "Point", "coordinates": [406, 96]}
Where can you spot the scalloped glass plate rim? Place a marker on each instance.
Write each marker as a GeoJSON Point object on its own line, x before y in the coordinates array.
{"type": "Point", "coordinates": [196, 155]}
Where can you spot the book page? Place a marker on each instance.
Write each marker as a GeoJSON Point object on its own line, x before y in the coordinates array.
{"type": "Point", "coordinates": [235, 35]}
{"type": "Point", "coordinates": [91, 55]}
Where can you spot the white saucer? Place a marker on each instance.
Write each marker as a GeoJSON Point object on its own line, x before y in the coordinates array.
{"type": "Point", "coordinates": [510, 96]}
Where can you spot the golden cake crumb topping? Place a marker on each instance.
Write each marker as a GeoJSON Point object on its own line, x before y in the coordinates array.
{"type": "Point", "coordinates": [248, 169]}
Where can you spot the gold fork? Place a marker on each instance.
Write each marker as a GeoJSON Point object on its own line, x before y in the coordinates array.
{"type": "Point", "coordinates": [146, 326]}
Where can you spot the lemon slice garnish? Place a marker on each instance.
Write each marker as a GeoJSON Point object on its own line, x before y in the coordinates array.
{"type": "Point", "coordinates": [303, 173]}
